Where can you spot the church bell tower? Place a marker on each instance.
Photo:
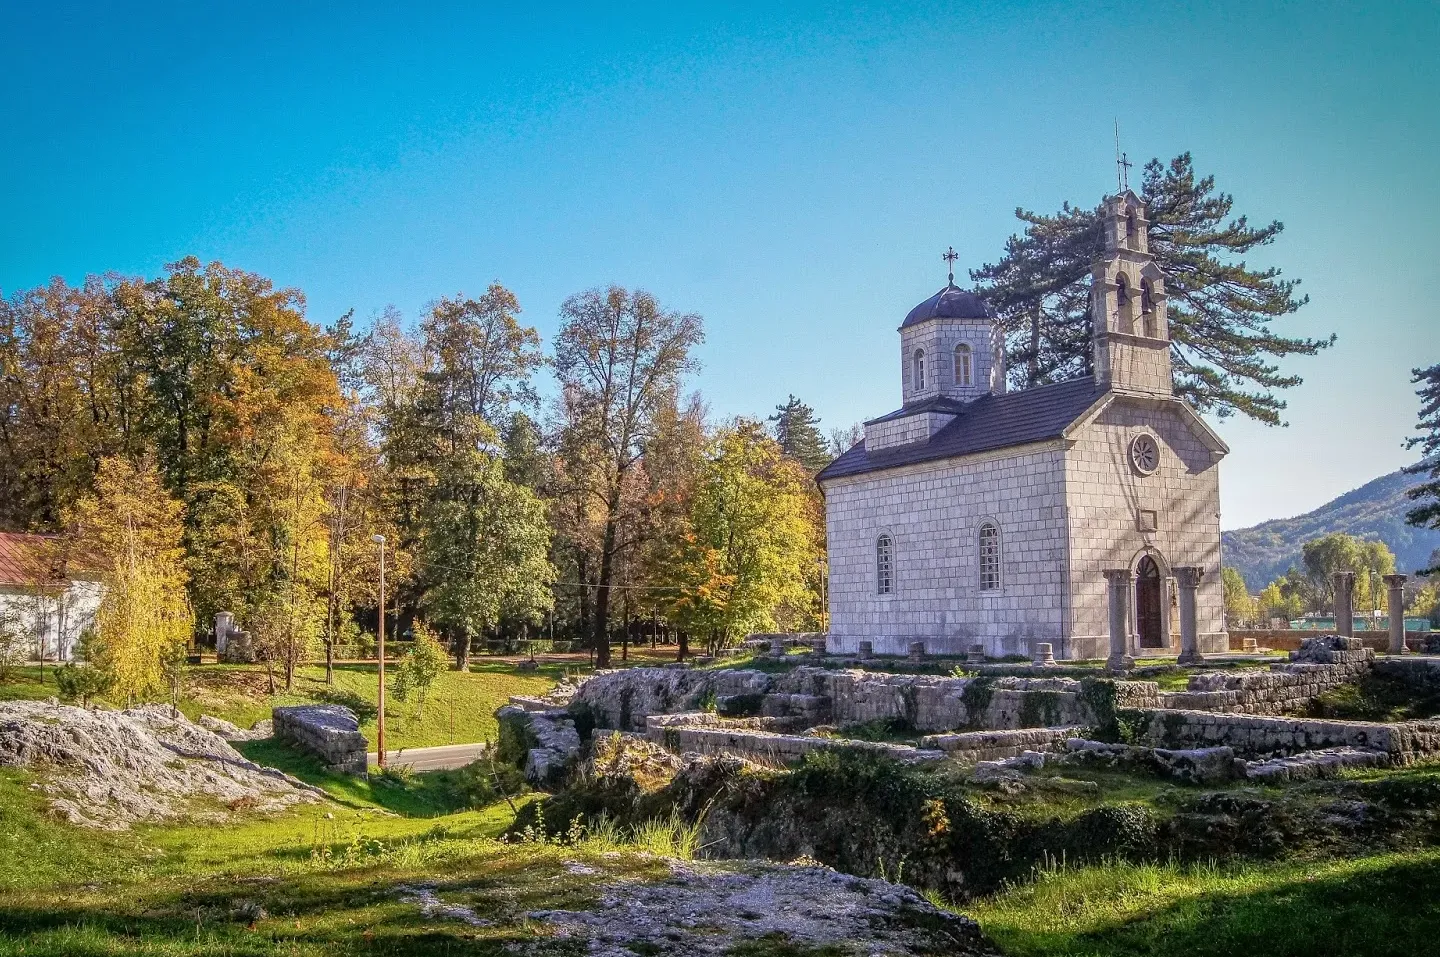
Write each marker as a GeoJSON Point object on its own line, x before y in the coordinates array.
{"type": "Point", "coordinates": [1127, 304]}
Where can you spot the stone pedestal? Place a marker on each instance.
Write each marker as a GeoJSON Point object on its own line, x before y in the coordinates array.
{"type": "Point", "coordinates": [1187, 579]}
{"type": "Point", "coordinates": [777, 647]}
{"type": "Point", "coordinates": [1250, 646]}
{"type": "Point", "coordinates": [866, 649]}
{"type": "Point", "coordinates": [1122, 586]}
{"type": "Point", "coordinates": [1396, 586]}
{"type": "Point", "coordinates": [1044, 654]}
{"type": "Point", "coordinates": [976, 655]}
{"type": "Point", "coordinates": [817, 645]}
{"type": "Point", "coordinates": [224, 622]}
{"type": "Point", "coordinates": [1345, 603]}
{"type": "Point", "coordinates": [917, 650]}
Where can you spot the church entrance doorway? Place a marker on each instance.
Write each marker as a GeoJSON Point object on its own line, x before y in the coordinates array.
{"type": "Point", "coordinates": [1148, 594]}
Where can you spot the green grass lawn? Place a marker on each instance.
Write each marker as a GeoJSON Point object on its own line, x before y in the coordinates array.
{"type": "Point", "coordinates": [460, 708]}
{"type": "Point", "coordinates": [1380, 906]}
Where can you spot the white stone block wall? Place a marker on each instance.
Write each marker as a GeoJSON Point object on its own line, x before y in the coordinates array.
{"type": "Point", "coordinates": [904, 430]}
{"type": "Point", "coordinates": [1104, 496]}
{"type": "Point", "coordinates": [939, 337]}
{"type": "Point", "coordinates": [932, 513]}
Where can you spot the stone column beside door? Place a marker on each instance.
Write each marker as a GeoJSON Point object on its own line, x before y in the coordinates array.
{"type": "Point", "coordinates": [1344, 603]}
{"type": "Point", "coordinates": [1122, 586]}
{"type": "Point", "coordinates": [1396, 606]}
{"type": "Point", "coordinates": [1187, 577]}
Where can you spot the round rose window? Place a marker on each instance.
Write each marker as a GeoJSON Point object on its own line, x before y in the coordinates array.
{"type": "Point", "coordinates": [1144, 454]}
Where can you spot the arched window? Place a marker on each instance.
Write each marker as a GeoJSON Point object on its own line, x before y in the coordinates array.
{"type": "Point", "coordinates": [1122, 290]}
{"type": "Point", "coordinates": [989, 557]}
{"type": "Point", "coordinates": [884, 566]}
{"type": "Point", "coordinates": [1129, 224]}
{"type": "Point", "coordinates": [962, 364]}
{"type": "Point", "coordinates": [919, 369]}
{"type": "Point", "coordinates": [1147, 308]}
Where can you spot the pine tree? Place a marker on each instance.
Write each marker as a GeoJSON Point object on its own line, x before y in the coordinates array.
{"type": "Point", "coordinates": [798, 432]}
{"type": "Point", "coordinates": [1224, 350]}
{"type": "Point", "coordinates": [1426, 514]}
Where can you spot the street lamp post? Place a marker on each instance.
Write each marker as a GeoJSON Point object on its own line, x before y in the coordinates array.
{"type": "Point", "coordinates": [380, 714]}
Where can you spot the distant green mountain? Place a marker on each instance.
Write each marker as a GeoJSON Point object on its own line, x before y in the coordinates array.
{"type": "Point", "coordinates": [1374, 510]}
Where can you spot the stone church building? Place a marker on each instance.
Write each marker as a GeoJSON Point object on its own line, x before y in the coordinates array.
{"type": "Point", "coordinates": [973, 515]}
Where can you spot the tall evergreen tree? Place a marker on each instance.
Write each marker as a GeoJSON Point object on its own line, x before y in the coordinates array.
{"type": "Point", "coordinates": [1225, 353]}
{"type": "Point", "coordinates": [798, 432]}
{"type": "Point", "coordinates": [1426, 514]}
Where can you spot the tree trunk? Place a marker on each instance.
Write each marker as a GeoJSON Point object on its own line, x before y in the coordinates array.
{"type": "Point", "coordinates": [602, 592]}
{"type": "Point", "coordinates": [682, 645]}
{"type": "Point", "coordinates": [1034, 370]}
{"type": "Point", "coordinates": [462, 651]}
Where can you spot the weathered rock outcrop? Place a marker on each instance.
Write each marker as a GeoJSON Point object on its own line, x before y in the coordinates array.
{"type": "Point", "coordinates": [725, 906]}
{"type": "Point", "coordinates": [109, 769]}
{"type": "Point", "coordinates": [543, 744]}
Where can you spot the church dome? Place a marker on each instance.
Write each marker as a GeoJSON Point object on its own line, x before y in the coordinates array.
{"type": "Point", "coordinates": [952, 302]}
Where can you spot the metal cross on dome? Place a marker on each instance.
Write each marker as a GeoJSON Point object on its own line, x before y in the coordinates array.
{"type": "Point", "coordinates": [950, 256]}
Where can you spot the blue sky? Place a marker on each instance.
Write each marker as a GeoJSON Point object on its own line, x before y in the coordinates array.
{"type": "Point", "coordinates": [791, 175]}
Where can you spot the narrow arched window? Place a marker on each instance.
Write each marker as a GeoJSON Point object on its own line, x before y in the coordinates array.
{"type": "Point", "coordinates": [1122, 291]}
{"type": "Point", "coordinates": [1147, 308]}
{"type": "Point", "coordinates": [989, 557]}
{"type": "Point", "coordinates": [919, 369]}
{"type": "Point", "coordinates": [1130, 224]}
{"type": "Point", "coordinates": [962, 364]}
{"type": "Point", "coordinates": [884, 566]}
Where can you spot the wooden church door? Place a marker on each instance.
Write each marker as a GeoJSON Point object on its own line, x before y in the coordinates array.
{"type": "Point", "coordinates": [1149, 593]}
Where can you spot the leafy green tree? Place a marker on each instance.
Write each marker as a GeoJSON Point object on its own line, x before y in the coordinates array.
{"type": "Point", "coordinates": [1274, 602]}
{"type": "Point", "coordinates": [1240, 608]}
{"type": "Point", "coordinates": [484, 549]}
{"type": "Point", "coordinates": [620, 359]}
{"type": "Point", "coordinates": [1426, 514]}
{"type": "Point", "coordinates": [422, 664]}
{"type": "Point", "coordinates": [798, 432]}
{"type": "Point", "coordinates": [1225, 351]}
{"type": "Point", "coordinates": [752, 542]}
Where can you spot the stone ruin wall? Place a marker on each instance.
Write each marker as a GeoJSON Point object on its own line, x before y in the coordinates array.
{"type": "Point", "coordinates": [810, 696]}
{"type": "Point", "coordinates": [329, 731]}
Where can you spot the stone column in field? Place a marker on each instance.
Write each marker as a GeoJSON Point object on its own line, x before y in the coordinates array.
{"type": "Point", "coordinates": [1187, 577]}
{"type": "Point", "coordinates": [1122, 585]}
{"type": "Point", "coordinates": [1344, 603]}
{"type": "Point", "coordinates": [1396, 585]}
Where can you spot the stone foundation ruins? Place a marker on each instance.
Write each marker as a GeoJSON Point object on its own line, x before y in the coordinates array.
{"type": "Point", "coordinates": [1225, 724]}
{"type": "Point", "coordinates": [329, 731]}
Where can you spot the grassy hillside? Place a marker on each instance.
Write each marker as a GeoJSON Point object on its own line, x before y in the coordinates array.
{"type": "Point", "coordinates": [460, 709]}
{"type": "Point", "coordinates": [1375, 510]}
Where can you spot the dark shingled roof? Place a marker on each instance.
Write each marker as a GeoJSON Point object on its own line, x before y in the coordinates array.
{"type": "Point", "coordinates": [989, 422]}
{"type": "Point", "coordinates": [951, 302]}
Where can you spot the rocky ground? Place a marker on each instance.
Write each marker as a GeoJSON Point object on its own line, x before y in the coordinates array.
{"type": "Point", "coordinates": [710, 909]}
{"type": "Point", "coordinates": [111, 769]}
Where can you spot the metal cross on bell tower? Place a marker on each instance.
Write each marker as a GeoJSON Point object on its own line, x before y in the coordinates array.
{"type": "Point", "coordinates": [1122, 163]}
{"type": "Point", "coordinates": [950, 256]}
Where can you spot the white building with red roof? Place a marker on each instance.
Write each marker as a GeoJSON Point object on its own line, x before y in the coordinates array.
{"type": "Point", "coordinates": [44, 595]}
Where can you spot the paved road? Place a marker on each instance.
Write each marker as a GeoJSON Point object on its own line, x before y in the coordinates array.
{"type": "Point", "coordinates": [434, 759]}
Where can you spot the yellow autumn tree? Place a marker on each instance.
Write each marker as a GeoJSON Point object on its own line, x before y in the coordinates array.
{"type": "Point", "coordinates": [129, 528]}
{"type": "Point", "coordinates": [752, 543]}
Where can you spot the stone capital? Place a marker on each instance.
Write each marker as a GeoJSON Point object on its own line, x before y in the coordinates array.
{"type": "Point", "coordinates": [1119, 576]}
{"type": "Point", "coordinates": [1395, 581]}
{"type": "Point", "coordinates": [1188, 576]}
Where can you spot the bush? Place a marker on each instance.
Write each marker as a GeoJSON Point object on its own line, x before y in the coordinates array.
{"type": "Point", "coordinates": [81, 682]}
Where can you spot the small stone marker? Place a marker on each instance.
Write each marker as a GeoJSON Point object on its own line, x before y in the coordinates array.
{"type": "Point", "coordinates": [917, 650]}
{"type": "Point", "coordinates": [866, 649]}
{"type": "Point", "coordinates": [1044, 654]}
{"type": "Point", "coordinates": [777, 647]}
{"type": "Point", "coordinates": [1250, 646]}
{"type": "Point", "coordinates": [976, 655]}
